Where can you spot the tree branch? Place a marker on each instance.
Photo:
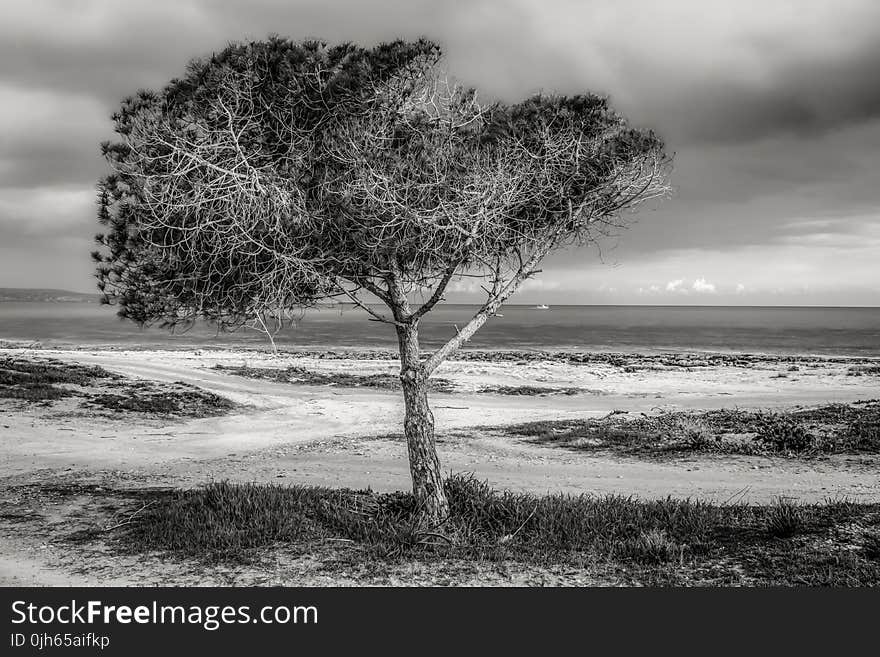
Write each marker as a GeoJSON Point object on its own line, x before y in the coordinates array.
{"type": "Point", "coordinates": [360, 304]}
{"type": "Point", "coordinates": [397, 301]}
{"type": "Point", "coordinates": [374, 289]}
{"type": "Point", "coordinates": [438, 292]}
{"type": "Point", "coordinates": [488, 309]}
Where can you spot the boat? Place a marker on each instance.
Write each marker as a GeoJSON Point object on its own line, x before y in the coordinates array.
{"type": "Point", "coordinates": [542, 306]}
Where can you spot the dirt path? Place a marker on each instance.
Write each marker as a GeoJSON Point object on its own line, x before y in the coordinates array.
{"type": "Point", "coordinates": [285, 433]}
{"type": "Point", "coordinates": [310, 434]}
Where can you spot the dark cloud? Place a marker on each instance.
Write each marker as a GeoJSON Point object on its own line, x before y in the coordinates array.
{"type": "Point", "coordinates": [773, 108]}
{"type": "Point", "coordinates": [802, 99]}
{"type": "Point", "coordinates": [109, 50]}
{"type": "Point", "coordinates": [50, 164]}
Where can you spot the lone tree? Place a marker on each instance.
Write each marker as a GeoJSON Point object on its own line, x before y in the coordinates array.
{"type": "Point", "coordinates": [275, 174]}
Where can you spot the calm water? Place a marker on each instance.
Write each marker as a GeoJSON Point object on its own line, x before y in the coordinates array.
{"type": "Point", "coordinates": [827, 331]}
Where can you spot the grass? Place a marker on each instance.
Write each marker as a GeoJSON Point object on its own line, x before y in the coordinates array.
{"type": "Point", "coordinates": [829, 429]}
{"type": "Point", "coordinates": [43, 381]}
{"type": "Point", "coordinates": [667, 541]}
{"type": "Point", "coordinates": [301, 375]}
{"type": "Point", "coordinates": [785, 519]}
{"type": "Point", "coordinates": [628, 362]}
{"type": "Point", "coordinates": [531, 391]}
{"type": "Point", "coordinates": [47, 381]}
{"type": "Point", "coordinates": [863, 370]}
{"type": "Point", "coordinates": [183, 401]}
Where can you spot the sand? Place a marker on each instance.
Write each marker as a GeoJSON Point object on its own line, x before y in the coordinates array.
{"type": "Point", "coordinates": [291, 433]}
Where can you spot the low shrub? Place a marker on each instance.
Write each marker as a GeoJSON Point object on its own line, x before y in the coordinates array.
{"type": "Point", "coordinates": [785, 519]}
{"type": "Point", "coordinates": [780, 433]}
{"type": "Point", "coordinates": [667, 541]}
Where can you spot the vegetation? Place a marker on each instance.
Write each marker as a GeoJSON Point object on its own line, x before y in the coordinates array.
{"type": "Point", "coordinates": [47, 380]}
{"type": "Point", "coordinates": [531, 391]}
{"type": "Point", "coordinates": [274, 174]}
{"type": "Point", "coordinates": [830, 429]}
{"type": "Point", "coordinates": [178, 399]}
{"type": "Point", "coordinates": [652, 541]}
{"type": "Point", "coordinates": [294, 374]}
{"type": "Point", "coordinates": [863, 370]}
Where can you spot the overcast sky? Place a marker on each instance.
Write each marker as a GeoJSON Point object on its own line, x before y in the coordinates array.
{"type": "Point", "coordinates": [772, 108]}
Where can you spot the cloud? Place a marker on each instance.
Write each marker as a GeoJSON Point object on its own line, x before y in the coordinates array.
{"type": "Point", "coordinates": [476, 286]}
{"type": "Point", "coordinates": [542, 283]}
{"type": "Point", "coordinates": [767, 273]}
{"type": "Point", "coordinates": [50, 138]}
{"type": "Point", "coordinates": [702, 286]}
{"type": "Point", "coordinates": [772, 109]}
{"type": "Point", "coordinates": [465, 285]}
{"type": "Point", "coordinates": [857, 231]}
{"type": "Point", "coordinates": [722, 71]}
{"type": "Point", "coordinates": [49, 212]}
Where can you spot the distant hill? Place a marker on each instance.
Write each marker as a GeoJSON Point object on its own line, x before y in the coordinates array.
{"type": "Point", "coordinates": [60, 296]}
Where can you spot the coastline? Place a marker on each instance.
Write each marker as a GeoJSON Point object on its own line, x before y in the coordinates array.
{"type": "Point", "coordinates": [561, 354]}
{"type": "Point", "coordinates": [273, 414]}
{"type": "Point", "coordinates": [297, 433]}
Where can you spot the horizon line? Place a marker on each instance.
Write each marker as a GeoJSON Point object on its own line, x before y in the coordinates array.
{"type": "Point", "coordinates": [564, 305]}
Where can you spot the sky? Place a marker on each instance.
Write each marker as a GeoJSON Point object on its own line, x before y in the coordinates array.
{"type": "Point", "coordinates": [772, 109]}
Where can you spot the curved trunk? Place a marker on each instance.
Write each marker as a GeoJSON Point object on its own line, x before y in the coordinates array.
{"type": "Point", "coordinates": [424, 465]}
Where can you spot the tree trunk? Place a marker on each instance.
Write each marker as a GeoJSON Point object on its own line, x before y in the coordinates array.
{"type": "Point", "coordinates": [424, 465]}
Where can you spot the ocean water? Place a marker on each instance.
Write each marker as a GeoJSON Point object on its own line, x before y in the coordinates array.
{"type": "Point", "coordinates": [639, 329]}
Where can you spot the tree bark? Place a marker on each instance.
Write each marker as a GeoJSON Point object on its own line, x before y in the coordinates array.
{"type": "Point", "coordinates": [419, 430]}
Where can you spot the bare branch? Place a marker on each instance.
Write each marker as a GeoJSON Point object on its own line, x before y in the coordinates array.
{"type": "Point", "coordinates": [438, 292]}
{"type": "Point", "coordinates": [360, 304]}
{"type": "Point", "coordinates": [487, 310]}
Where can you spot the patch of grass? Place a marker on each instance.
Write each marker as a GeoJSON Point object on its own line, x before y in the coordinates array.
{"type": "Point", "coordinates": [296, 374]}
{"type": "Point", "coordinates": [531, 391]}
{"type": "Point", "coordinates": [653, 547]}
{"type": "Point", "coordinates": [19, 371]}
{"type": "Point", "coordinates": [784, 519]}
{"type": "Point", "coordinates": [45, 380]}
{"type": "Point", "coordinates": [224, 520]}
{"type": "Point", "coordinates": [863, 370]}
{"type": "Point", "coordinates": [644, 435]}
{"type": "Point", "coordinates": [784, 434]}
{"type": "Point", "coordinates": [829, 429]}
{"type": "Point", "coordinates": [863, 434]}
{"type": "Point", "coordinates": [36, 392]}
{"type": "Point", "coordinates": [695, 432]}
{"type": "Point", "coordinates": [646, 541]}
{"type": "Point", "coordinates": [627, 362]}
{"type": "Point", "coordinates": [185, 401]}
{"type": "Point", "coordinates": [871, 547]}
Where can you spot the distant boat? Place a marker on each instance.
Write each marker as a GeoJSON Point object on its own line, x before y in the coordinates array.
{"type": "Point", "coordinates": [542, 306]}
{"type": "Point", "coordinates": [496, 315]}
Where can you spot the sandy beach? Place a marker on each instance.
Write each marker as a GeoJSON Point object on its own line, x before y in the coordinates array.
{"type": "Point", "coordinates": [328, 435]}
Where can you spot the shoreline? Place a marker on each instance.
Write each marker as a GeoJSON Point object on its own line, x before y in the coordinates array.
{"type": "Point", "coordinates": [298, 433]}
{"type": "Point", "coordinates": [314, 415]}
{"type": "Point", "coordinates": [499, 354]}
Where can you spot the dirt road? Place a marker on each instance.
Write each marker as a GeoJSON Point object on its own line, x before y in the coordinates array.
{"type": "Point", "coordinates": [291, 433]}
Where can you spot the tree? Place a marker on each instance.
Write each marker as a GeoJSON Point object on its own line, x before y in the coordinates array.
{"type": "Point", "coordinates": [275, 174]}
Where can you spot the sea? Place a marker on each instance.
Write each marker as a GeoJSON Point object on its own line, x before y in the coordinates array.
{"type": "Point", "coordinates": [627, 329]}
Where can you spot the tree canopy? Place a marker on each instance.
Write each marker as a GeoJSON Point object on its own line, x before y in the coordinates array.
{"type": "Point", "coordinates": [275, 174]}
